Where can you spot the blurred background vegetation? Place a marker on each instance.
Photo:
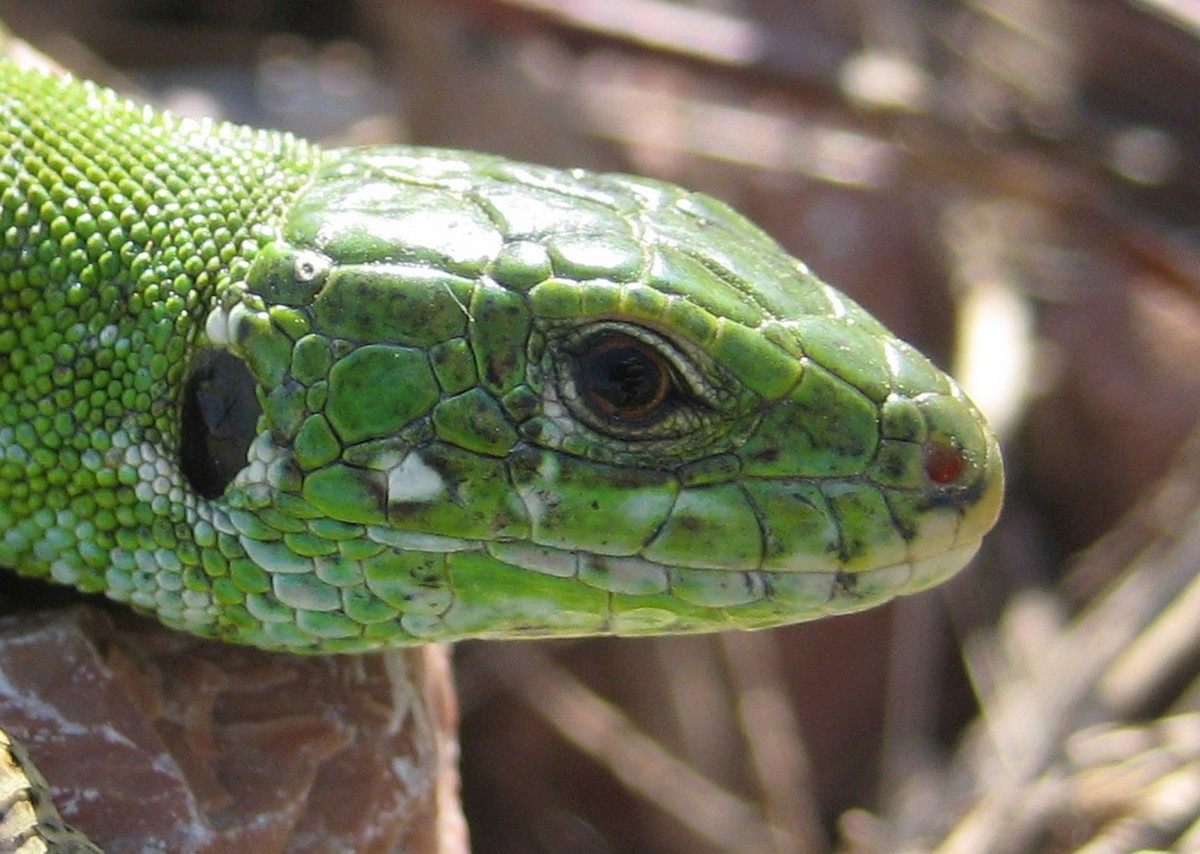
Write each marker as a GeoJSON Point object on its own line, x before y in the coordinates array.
{"type": "Point", "coordinates": [1011, 185]}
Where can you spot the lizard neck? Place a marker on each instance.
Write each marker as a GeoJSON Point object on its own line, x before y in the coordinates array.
{"type": "Point", "coordinates": [120, 229]}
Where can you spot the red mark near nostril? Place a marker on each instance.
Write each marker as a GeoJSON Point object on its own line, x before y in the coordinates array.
{"type": "Point", "coordinates": [944, 462]}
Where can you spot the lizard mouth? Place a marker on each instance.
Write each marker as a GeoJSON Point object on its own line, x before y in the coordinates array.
{"type": "Point", "coordinates": [645, 598]}
{"type": "Point", "coordinates": [946, 536]}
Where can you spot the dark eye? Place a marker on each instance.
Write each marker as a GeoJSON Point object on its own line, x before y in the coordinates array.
{"type": "Point", "coordinates": [623, 378]}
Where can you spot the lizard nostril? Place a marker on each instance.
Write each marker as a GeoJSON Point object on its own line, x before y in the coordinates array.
{"type": "Point", "coordinates": [944, 462]}
{"type": "Point", "coordinates": [219, 421]}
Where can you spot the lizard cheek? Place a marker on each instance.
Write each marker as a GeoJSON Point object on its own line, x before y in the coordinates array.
{"type": "Point", "coordinates": [219, 419]}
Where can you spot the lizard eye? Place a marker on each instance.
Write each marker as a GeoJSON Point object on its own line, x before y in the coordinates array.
{"type": "Point", "coordinates": [633, 385]}
{"type": "Point", "coordinates": [623, 378]}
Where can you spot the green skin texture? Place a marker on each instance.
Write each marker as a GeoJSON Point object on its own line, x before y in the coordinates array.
{"type": "Point", "coordinates": [425, 466]}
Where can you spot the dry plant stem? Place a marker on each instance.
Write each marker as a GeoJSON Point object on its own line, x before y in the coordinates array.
{"type": "Point", "coordinates": [1164, 808]}
{"type": "Point", "coordinates": [912, 697]}
{"type": "Point", "coordinates": [598, 728]}
{"type": "Point", "coordinates": [1040, 685]}
{"type": "Point", "coordinates": [1153, 657]}
{"type": "Point", "coordinates": [768, 723]}
{"type": "Point", "coordinates": [1190, 839]}
{"type": "Point", "coordinates": [694, 686]}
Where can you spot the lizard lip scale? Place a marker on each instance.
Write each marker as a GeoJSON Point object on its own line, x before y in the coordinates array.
{"type": "Point", "coordinates": [331, 400]}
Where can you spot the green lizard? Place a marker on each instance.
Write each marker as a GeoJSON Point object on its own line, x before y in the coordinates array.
{"type": "Point", "coordinates": [332, 400]}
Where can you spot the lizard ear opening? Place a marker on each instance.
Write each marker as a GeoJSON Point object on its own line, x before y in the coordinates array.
{"type": "Point", "coordinates": [219, 421]}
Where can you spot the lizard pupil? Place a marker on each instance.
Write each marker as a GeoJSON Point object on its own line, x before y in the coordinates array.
{"type": "Point", "coordinates": [624, 378]}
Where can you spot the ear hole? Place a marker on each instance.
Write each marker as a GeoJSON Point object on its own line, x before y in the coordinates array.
{"type": "Point", "coordinates": [219, 421]}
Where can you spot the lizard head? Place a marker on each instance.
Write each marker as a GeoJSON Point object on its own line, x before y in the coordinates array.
{"type": "Point", "coordinates": [321, 401]}
{"type": "Point", "coordinates": [459, 396]}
